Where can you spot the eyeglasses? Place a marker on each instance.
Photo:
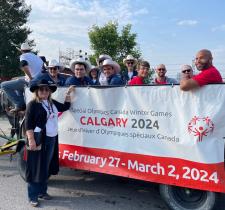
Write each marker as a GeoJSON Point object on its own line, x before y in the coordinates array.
{"type": "Point", "coordinates": [53, 68]}
{"type": "Point", "coordinates": [161, 69]}
{"type": "Point", "coordinates": [42, 89]}
{"type": "Point", "coordinates": [186, 71]}
{"type": "Point", "coordinates": [79, 69]}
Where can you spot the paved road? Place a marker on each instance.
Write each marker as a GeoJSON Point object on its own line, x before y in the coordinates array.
{"type": "Point", "coordinates": [78, 190]}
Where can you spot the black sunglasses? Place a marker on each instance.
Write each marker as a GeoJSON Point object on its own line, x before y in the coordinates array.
{"type": "Point", "coordinates": [130, 62]}
{"type": "Point", "coordinates": [186, 71]}
{"type": "Point", "coordinates": [161, 69]}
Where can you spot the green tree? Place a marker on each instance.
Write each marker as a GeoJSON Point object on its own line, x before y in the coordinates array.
{"type": "Point", "coordinates": [13, 32]}
{"type": "Point", "coordinates": [108, 40]}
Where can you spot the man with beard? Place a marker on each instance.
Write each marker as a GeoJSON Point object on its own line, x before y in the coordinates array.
{"type": "Point", "coordinates": [161, 78]}
{"type": "Point", "coordinates": [208, 75]}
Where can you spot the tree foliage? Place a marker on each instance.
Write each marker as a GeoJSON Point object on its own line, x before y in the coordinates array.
{"type": "Point", "coordinates": [13, 32]}
{"type": "Point", "coordinates": [109, 40]}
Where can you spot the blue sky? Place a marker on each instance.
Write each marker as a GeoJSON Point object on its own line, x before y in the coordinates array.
{"type": "Point", "coordinates": [169, 31]}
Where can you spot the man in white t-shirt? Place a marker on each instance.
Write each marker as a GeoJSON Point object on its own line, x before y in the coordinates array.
{"type": "Point", "coordinates": [31, 65]}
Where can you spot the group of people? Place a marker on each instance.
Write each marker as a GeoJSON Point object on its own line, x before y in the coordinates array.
{"type": "Point", "coordinates": [107, 72]}
{"type": "Point", "coordinates": [41, 121]}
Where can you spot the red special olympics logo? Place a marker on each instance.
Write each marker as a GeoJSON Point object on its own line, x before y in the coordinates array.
{"type": "Point", "coordinates": [200, 127]}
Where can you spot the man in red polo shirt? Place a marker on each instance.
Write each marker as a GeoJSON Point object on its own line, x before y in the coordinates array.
{"type": "Point", "coordinates": [208, 75]}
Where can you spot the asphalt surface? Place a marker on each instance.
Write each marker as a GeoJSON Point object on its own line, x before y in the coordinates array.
{"type": "Point", "coordinates": [78, 190]}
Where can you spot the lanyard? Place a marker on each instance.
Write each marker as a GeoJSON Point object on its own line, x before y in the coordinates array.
{"type": "Point", "coordinates": [50, 109]}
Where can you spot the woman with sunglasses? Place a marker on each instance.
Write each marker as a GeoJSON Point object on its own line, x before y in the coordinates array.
{"type": "Point", "coordinates": [186, 72]}
{"type": "Point", "coordinates": [51, 74]}
{"type": "Point", "coordinates": [41, 125]}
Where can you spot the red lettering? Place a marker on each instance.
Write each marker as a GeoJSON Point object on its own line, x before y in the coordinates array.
{"type": "Point", "coordinates": [118, 121]}
{"type": "Point", "coordinates": [90, 121]}
{"type": "Point", "coordinates": [111, 122]}
{"type": "Point", "coordinates": [124, 121]}
{"type": "Point", "coordinates": [103, 121]}
{"type": "Point", "coordinates": [81, 120]}
{"type": "Point", "coordinates": [96, 121]}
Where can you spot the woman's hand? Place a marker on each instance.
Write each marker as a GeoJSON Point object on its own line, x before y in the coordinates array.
{"type": "Point", "coordinates": [32, 144]}
{"type": "Point", "coordinates": [70, 90]}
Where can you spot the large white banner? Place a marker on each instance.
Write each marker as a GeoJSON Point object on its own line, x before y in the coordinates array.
{"type": "Point", "coordinates": [160, 121]}
{"type": "Point", "coordinates": [154, 133]}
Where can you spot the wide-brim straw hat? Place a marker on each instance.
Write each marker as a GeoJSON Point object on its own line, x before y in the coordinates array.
{"type": "Point", "coordinates": [80, 61]}
{"type": "Point", "coordinates": [112, 63]}
{"type": "Point", "coordinates": [43, 83]}
{"type": "Point", "coordinates": [130, 58]}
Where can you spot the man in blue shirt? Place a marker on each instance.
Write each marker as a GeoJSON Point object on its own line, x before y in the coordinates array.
{"type": "Point", "coordinates": [80, 67]}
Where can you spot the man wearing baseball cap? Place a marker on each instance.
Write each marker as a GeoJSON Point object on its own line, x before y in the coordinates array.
{"type": "Point", "coordinates": [31, 65]}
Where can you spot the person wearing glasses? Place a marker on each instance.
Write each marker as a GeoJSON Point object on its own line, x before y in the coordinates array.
{"type": "Point", "coordinates": [142, 73]}
{"type": "Point", "coordinates": [80, 68]}
{"type": "Point", "coordinates": [208, 73]}
{"type": "Point", "coordinates": [161, 78]}
{"type": "Point", "coordinates": [130, 62]}
{"type": "Point", "coordinates": [51, 74]}
{"type": "Point", "coordinates": [186, 72]}
{"type": "Point", "coordinates": [42, 155]}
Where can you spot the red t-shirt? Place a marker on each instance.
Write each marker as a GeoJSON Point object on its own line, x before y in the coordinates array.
{"type": "Point", "coordinates": [136, 81]}
{"type": "Point", "coordinates": [159, 82]}
{"type": "Point", "coordinates": [208, 76]}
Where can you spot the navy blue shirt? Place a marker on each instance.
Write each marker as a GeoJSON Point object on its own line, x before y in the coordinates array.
{"type": "Point", "coordinates": [115, 79]}
{"type": "Point", "coordinates": [45, 75]}
{"type": "Point", "coordinates": [78, 81]}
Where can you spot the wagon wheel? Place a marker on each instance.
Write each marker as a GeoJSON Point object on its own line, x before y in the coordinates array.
{"type": "Point", "coordinates": [179, 198]}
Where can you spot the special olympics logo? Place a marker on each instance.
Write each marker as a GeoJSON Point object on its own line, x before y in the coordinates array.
{"type": "Point", "coordinates": [200, 126]}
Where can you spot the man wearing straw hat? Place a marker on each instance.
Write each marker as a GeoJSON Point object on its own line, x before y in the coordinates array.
{"type": "Point", "coordinates": [130, 62]}
{"type": "Point", "coordinates": [31, 65]}
{"type": "Point", "coordinates": [80, 67]}
{"type": "Point", "coordinates": [111, 70]}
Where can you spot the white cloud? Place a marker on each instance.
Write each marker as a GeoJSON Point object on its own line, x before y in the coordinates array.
{"type": "Point", "coordinates": [187, 23]}
{"type": "Point", "coordinates": [219, 28]}
{"type": "Point", "coordinates": [65, 23]}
